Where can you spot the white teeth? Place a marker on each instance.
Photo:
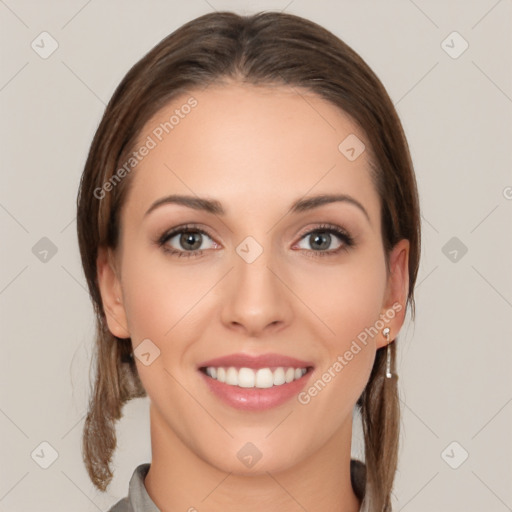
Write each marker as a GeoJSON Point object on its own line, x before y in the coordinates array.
{"type": "Point", "coordinates": [249, 378]}
{"type": "Point", "coordinates": [232, 377]}
{"type": "Point", "coordinates": [246, 378]}
{"type": "Point", "coordinates": [290, 375]}
{"type": "Point", "coordinates": [279, 377]}
{"type": "Point", "coordinates": [264, 378]}
{"type": "Point", "coordinates": [221, 375]}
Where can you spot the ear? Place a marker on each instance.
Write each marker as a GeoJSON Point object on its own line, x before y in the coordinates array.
{"type": "Point", "coordinates": [394, 306]}
{"type": "Point", "coordinates": [111, 291]}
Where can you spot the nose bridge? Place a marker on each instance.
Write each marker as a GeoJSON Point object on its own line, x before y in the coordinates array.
{"type": "Point", "coordinates": [255, 297]}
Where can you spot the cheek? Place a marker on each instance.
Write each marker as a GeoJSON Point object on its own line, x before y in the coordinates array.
{"type": "Point", "coordinates": [158, 295]}
{"type": "Point", "coordinates": [348, 299]}
{"type": "Point", "coordinates": [350, 306]}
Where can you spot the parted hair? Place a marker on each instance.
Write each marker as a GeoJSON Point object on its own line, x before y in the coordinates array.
{"type": "Point", "coordinates": [267, 48]}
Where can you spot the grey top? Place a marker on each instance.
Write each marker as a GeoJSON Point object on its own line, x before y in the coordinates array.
{"type": "Point", "coordinates": [138, 499]}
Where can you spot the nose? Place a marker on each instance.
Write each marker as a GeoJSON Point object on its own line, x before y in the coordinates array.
{"type": "Point", "coordinates": [255, 297]}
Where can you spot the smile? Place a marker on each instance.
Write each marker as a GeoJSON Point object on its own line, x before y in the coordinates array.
{"type": "Point", "coordinates": [255, 378]}
{"type": "Point", "coordinates": [259, 389]}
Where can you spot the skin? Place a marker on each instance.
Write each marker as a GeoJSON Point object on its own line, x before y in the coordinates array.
{"type": "Point", "coordinates": [256, 150]}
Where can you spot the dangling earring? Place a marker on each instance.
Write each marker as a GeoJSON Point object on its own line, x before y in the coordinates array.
{"type": "Point", "coordinates": [385, 332]}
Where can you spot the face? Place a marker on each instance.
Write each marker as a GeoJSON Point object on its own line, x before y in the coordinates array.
{"type": "Point", "coordinates": [252, 275]}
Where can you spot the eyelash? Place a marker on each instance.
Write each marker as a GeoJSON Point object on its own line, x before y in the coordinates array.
{"type": "Point", "coordinates": [347, 240]}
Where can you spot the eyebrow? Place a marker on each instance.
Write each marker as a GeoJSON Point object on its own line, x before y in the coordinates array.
{"type": "Point", "coordinates": [215, 207]}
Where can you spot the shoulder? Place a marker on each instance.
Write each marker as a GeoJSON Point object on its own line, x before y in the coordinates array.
{"type": "Point", "coordinates": [138, 500]}
{"type": "Point", "coordinates": [123, 505]}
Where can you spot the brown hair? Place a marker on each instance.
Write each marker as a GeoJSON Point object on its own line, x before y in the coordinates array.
{"type": "Point", "coordinates": [268, 48]}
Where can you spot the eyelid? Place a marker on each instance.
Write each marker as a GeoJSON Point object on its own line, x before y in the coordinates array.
{"type": "Point", "coordinates": [170, 233]}
{"type": "Point", "coordinates": [346, 239]}
{"type": "Point", "coordinates": [323, 226]}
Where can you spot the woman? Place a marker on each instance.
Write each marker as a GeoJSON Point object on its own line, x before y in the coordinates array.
{"type": "Point", "coordinates": [249, 228]}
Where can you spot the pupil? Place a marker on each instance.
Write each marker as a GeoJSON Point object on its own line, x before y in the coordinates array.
{"type": "Point", "coordinates": [188, 238]}
{"type": "Point", "coordinates": [325, 237]}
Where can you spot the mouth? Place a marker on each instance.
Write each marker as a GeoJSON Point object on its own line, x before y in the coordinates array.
{"type": "Point", "coordinates": [261, 378]}
{"type": "Point", "coordinates": [255, 383]}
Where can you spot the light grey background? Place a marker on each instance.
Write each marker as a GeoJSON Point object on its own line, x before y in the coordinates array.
{"type": "Point", "coordinates": [454, 361]}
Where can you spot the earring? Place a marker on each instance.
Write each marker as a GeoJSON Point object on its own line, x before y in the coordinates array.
{"type": "Point", "coordinates": [385, 332]}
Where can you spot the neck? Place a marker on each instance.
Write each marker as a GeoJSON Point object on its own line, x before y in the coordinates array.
{"type": "Point", "coordinates": [179, 479]}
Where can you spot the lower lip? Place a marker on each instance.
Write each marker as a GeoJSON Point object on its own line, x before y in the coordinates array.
{"type": "Point", "coordinates": [256, 399]}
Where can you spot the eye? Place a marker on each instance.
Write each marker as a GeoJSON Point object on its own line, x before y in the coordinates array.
{"type": "Point", "coordinates": [185, 241]}
{"type": "Point", "coordinates": [321, 238]}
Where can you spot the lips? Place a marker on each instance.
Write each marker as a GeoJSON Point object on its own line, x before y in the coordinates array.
{"type": "Point", "coordinates": [271, 387]}
{"type": "Point", "coordinates": [270, 360]}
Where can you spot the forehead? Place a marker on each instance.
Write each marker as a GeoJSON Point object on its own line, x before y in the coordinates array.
{"type": "Point", "coordinates": [250, 146]}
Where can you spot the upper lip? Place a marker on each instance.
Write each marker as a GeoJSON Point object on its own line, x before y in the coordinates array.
{"type": "Point", "coordinates": [249, 361]}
